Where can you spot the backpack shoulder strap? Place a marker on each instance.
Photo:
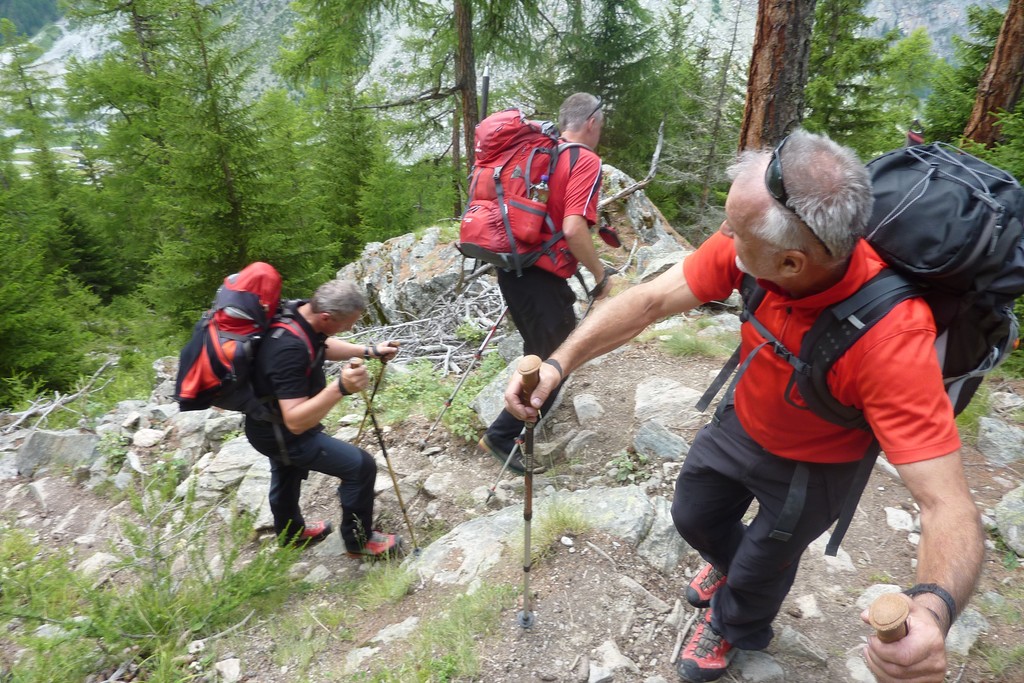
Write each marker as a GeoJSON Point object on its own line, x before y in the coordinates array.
{"type": "Point", "coordinates": [287, 322]}
{"type": "Point", "coordinates": [835, 331]}
{"type": "Point", "coordinates": [547, 248]}
{"type": "Point", "coordinates": [752, 295]}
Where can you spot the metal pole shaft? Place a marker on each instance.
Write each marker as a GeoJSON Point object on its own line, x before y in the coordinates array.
{"type": "Point", "coordinates": [529, 368]}
{"type": "Point", "coordinates": [476, 357]}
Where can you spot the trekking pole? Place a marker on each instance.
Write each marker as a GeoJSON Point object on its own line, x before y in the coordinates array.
{"type": "Point", "coordinates": [888, 616]}
{"type": "Point", "coordinates": [592, 295]}
{"type": "Point", "coordinates": [476, 357]}
{"type": "Point", "coordinates": [373, 395]}
{"type": "Point", "coordinates": [394, 482]}
{"type": "Point", "coordinates": [391, 471]}
{"type": "Point", "coordinates": [529, 368]}
{"type": "Point", "coordinates": [511, 454]}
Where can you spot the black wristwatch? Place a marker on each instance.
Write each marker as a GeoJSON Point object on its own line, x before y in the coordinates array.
{"type": "Point", "coordinates": [941, 593]}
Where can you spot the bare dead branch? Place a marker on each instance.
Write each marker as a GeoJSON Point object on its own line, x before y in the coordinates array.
{"type": "Point", "coordinates": [435, 93]}
{"type": "Point", "coordinates": [639, 185]}
{"type": "Point", "coordinates": [44, 408]}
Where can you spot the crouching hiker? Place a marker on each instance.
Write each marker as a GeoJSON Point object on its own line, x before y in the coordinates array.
{"type": "Point", "coordinates": [290, 368]}
{"type": "Point", "coordinates": [802, 239]}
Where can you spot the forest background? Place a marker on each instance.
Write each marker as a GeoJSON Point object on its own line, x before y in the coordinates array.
{"type": "Point", "coordinates": [181, 172]}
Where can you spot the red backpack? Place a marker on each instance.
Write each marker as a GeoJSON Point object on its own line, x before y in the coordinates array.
{"type": "Point", "coordinates": [214, 366]}
{"type": "Point", "coordinates": [506, 223]}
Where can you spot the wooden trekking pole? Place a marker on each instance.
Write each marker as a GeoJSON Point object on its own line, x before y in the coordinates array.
{"type": "Point", "coordinates": [356, 362]}
{"type": "Point", "coordinates": [888, 616]}
{"type": "Point", "coordinates": [529, 369]}
{"type": "Point", "coordinates": [373, 394]}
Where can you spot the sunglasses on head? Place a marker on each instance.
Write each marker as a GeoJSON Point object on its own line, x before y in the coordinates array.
{"type": "Point", "coordinates": [596, 109]}
{"type": "Point", "coordinates": [777, 189]}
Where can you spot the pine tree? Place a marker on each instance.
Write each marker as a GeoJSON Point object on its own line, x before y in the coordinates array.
{"type": "Point", "coordinates": [844, 64]}
{"type": "Point", "coordinates": [949, 107]}
{"type": "Point", "coordinates": [218, 186]}
{"type": "Point", "coordinates": [32, 106]}
{"type": "Point", "coordinates": [44, 339]}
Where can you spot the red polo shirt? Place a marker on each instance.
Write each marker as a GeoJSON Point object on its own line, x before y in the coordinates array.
{"type": "Point", "coordinates": [891, 373]}
{"type": "Point", "coordinates": [573, 193]}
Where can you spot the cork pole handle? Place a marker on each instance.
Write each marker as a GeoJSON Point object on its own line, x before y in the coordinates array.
{"type": "Point", "coordinates": [888, 616]}
{"type": "Point", "coordinates": [529, 368]}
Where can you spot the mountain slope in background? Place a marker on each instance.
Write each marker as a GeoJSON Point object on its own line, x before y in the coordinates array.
{"type": "Point", "coordinates": [30, 16]}
{"type": "Point", "coordinates": [263, 23]}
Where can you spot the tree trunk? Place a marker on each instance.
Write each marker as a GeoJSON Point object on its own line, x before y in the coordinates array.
{"type": "Point", "coordinates": [778, 71]}
{"type": "Point", "coordinates": [456, 166]}
{"type": "Point", "coordinates": [465, 74]}
{"type": "Point", "coordinates": [1000, 85]}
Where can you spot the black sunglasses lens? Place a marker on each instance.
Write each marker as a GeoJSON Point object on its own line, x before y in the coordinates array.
{"type": "Point", "coordinates": [773, 179]}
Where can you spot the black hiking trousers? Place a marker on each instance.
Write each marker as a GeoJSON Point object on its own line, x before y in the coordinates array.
{"type": "Point", "coordinates": [540, 304]}
{"type": "Point", "coordinates": [321, 453]}
{"type": "Point", "coordinates": [724, 472]}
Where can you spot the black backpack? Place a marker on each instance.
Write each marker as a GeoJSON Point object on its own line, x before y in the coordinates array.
{"type": "Point", "coordinates": [949, 226]}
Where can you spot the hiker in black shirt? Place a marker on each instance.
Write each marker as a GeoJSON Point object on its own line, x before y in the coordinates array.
{"type": "Point", "coordinates": [290, 367]}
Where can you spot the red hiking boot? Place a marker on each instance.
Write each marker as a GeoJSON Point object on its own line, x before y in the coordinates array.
{"type": "Point", "coordinates": [379, 546]}
{"type": "Point", "coordinates": [704, 585]}
{"type": "Point", "coordinates": [706, 657]}
{"type": "Point", "coordinates": [314, 533]}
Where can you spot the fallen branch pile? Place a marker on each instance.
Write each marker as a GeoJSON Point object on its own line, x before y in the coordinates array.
{"type": "Point", "coordinates": [436, 338]}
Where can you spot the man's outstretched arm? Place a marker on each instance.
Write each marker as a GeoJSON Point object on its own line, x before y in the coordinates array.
{"type": "Point", "coordinates": [610, 326]}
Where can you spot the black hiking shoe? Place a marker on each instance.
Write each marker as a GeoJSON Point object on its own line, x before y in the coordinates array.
{"type": "Point", "coordinates": [515, 463]}
{"type": "Point", "coordinates": [704, 585]}
{"type": "Point", "coordinates": [706, 657]}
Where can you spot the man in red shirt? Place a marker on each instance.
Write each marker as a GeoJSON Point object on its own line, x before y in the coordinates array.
{"type": "Point", "coordinates": [794, 220]}
{"type": "Point", "coordinates": [540, 301]}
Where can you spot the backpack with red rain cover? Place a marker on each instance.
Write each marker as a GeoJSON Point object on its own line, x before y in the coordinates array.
{"type": "Point", "coordinates": [215, 365]}
{"type": "Point", "coordinates": [502, 225]}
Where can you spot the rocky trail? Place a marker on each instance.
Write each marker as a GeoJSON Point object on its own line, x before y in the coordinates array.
{"type": "Point", "coordinates": [607, 598]}
{"type": "Point", "coordinates": [608, 601]}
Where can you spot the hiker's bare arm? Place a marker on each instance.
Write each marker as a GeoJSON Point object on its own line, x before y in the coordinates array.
{"type": "Point", "coordinates": [300, 414]}
{"type": "Point", "coordinates": [338, 349]}
{"type": "Point", "coordinates": [611, 325]}
{"type": "Point", "coordinates": [581, 244]}
{"type": "Point", "coordinates": [950, 555]}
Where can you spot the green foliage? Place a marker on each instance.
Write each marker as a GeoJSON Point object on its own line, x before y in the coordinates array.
{"type": "Point", "coordinates": [1009, 153]}
{"type": "Point", "coordinates": [470, 332]}
{"type": "Point", "coordinates": [557, 518]}
{"type": "Point", "coordinates": [629, 466]}
{"type": "Point", "coordinates": [417, 389]}
{"type": "Point", "coordinates": [842, 65]}
{"type": "Point", "coordinates": [412, 389]}
{"type": "Point", "coordinates": [865, 92]}
{"type": "Point", "coordinates": [949, 106]}
{"type": "Point", "coordinates": [1006, 662]}
{"type": "Point", "coordinates": [685, 343]}
{"type": "Point", "coordinates": [444, 648]}
{"type": "Point", "coordinates": [461, 420]}
{"type": "Point", "coordinates": [968, 420]}
{"type": "Point", "coordinates": [172, 586]}
{"type": "Point", "coordinates": [385, 583]}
